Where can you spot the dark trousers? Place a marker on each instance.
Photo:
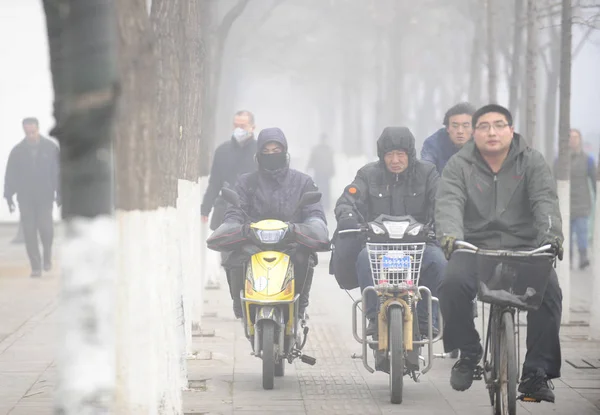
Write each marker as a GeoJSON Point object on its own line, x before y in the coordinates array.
{"type": "Point", "coordinates": [303, 274]}
{"type": "Point", "coordinates": [37, 218]}
{"type": "Point", "coordinates": [457, 292]}
{"type": "Point", "coordinates": [432, 271]}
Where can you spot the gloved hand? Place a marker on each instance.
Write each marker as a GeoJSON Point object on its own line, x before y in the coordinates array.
{"type": "Point", "coordinates": [348, 222]}
{"type": "Point", "coordinates": [556, 247]}
{"type": "Point", "coordinates": [11, 204]}
{"type": "Point", "coordinates": [447, 243]}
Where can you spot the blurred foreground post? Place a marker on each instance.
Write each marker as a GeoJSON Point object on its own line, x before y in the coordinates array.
{"type": "Point", "coordinates": [595, 305]}
{"type": "Point", "coordinates": [563, 173]}
{"type": "Point", "coordinates": [84, 72]}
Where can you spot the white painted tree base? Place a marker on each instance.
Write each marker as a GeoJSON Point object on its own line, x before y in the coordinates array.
{"type": "Point", "coordinates": [188, 212]}
{"type": "Point", "coordinates": [564, 266]}
{"type": "Point", "coordinates": [86, 355]}
{"type": "Point", "coordinates": [595, 257]}
{"type": "Point", "coordinates": [149, 379]}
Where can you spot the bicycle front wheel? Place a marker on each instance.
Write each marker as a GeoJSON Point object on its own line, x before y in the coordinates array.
{"type": "Point", "coordinates": [505, 362]}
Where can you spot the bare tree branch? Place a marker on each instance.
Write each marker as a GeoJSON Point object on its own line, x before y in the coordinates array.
{"type": "Point", "coordinates": [229, 18]}
{"type": "Point", "coordinates": [267, 15]}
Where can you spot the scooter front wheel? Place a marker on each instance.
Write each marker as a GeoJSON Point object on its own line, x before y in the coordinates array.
{"type": "Point", "coordinates": [396, 345]}
{"type": "Point", "coordinates": [268, 354]}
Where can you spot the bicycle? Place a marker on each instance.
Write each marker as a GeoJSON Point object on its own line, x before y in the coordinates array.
{"type": "Point", "coordinates": [510, 281]}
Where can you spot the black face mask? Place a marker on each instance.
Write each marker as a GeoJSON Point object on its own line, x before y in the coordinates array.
{"type": "Point", "coordinates": [274, 161]}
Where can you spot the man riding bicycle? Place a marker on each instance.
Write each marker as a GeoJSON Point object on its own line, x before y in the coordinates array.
{"type": "Point", "coordinates": [398, 184]}
{"type": "Point", "coordinates": [498, 193]}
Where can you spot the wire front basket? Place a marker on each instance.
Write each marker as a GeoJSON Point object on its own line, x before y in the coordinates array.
{"type": "Point", "coordinates": [396, 265]}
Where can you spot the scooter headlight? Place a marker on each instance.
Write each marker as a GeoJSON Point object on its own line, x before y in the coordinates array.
{"type": "Point", "coordinates": [270, 236]}
{"type": "Point", "coordinates": [396, 230]}
{"type": "Point", "coordinates": [377, 229]}
{"type": "Point", "coordinates": [415, 231]}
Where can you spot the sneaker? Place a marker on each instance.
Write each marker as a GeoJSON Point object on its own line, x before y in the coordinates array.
{"type": "Point", "coordinates": [536, 387]}
{"type": "Point", "coordinates": [461, 377]}
{"type": "Point", "coordinates": [371, 327]}
{"type": "Point", "coordinates": [47, 266]}
{"type": "Point", "coordinates": [36, 273]}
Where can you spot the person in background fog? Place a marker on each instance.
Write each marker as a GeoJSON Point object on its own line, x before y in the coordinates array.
{"type": "Point", "coordinates": [446, 141]}
{"type": "Point", "coordinates": [583, 174]}
{"type": "Point", "coordinates": [234, 157]}
{"type": "Point", "coordinates": [322, 164]}
{"type": "Point", "coordinates": [32, 173]}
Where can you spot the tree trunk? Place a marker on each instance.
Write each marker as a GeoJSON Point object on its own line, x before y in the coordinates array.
{"type": "Point", "coordinates": [207, 130]}
{"type": "Point", "coordinates": [192, 55]}
{"type": "Point", "coordinates": [217, 38]}
{"type": "Point", "coordinates": [595, 305]}
{"type": "Point", "coordinates": [550, 121]}
{"type": "Point", "coordinates": [491, 54]}
{"type": "Point", "coordinates": [475, 93]}
{"type": "Point", "coordinates": [531, 71]}
{"type": "Point", "coordinates": [83, 54]}
{"type": "Point", "coordinates": [141, 385]}
{"type": "Point", "coordinates": [515, 73]}
{"type": "Point", "coordinates": [564, 157]}
{"type": "Point", "coordinates": [167, 25]}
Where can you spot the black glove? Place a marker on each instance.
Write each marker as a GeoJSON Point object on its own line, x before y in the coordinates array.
{"type": "Point", "coordinates": [11, 204]}
{"type": "Point", "coordinates": [556, 247]}
{"type": "Point", "coordinates": [348, 222]}
{"type": "Point", "coordinates": [447, 243]}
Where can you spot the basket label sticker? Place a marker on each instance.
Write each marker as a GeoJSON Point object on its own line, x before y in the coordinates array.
{"type": "Point", "coordinates": [400, 262]}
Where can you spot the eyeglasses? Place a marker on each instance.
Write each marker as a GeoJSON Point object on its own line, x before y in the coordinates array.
{"type": "Point", "coordinates": [485, 127]}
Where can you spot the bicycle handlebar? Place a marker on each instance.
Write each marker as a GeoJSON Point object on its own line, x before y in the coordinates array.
{"type": "Point", "coordinates": [470, 247]}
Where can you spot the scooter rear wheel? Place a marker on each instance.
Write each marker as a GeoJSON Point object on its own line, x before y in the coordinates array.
{"type": "Point", "coordinates": [396, 345]}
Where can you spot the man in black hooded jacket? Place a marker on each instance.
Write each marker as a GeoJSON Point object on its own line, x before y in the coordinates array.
{"type": "Point", "coordinates": [398, 184]}
{"type": "Point", "coordinates": [273, 192]}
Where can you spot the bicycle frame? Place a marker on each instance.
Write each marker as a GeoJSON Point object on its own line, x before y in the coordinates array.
{"type": "Point", "coordinates": [493, 332]}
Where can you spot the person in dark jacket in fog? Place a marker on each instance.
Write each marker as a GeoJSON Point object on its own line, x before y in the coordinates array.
{"type": "Point", "coordinates": [32, 173]}
{"type": "Point", "coordinates": [446, 142]}
{"type": "Point", "coordinates": [583, 177]}
{"type": "Point", "coordinates": [231, 159]}
{"type": "Point", "coordinates": [273, 192]}
{"type": "Point", "coordinates": [398, 184]}
{"type": "Point", "coordinates": [322, 163]}
{"type": "Point", "coordinates": [498, 193]}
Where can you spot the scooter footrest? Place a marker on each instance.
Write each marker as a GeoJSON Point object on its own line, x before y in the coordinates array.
{"type": "Point", "coordinates": [308, 360]}
{"type": "Point", "coordinates": [528, 399]}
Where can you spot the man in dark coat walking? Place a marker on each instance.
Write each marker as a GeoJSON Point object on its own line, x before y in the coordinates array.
{"type": "Point", "coordinates": [32, 173]}
{"type": "Point", "coordinates": [232, 159]}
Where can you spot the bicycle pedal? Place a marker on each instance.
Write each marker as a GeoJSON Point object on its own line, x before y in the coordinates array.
{"type": "Point", "coordinates": [308, 360]}
{"type": "Point", "coordinates": [528, 399]}
{"type": "Point", "coordinates": [478, 373]}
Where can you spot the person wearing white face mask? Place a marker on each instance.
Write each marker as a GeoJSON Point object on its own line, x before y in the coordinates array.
{"type": "Point", "coordinates": [231, 159]}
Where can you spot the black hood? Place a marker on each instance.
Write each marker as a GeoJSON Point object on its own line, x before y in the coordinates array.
{"type": "Point", "coordinates": [271, 135]}
{"type": "Point", "coordinates": [397, 138]}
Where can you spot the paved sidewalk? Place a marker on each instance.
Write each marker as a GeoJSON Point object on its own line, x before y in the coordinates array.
{"type": "Point", "coordinates": [228, 378]}
{"type": "Point", "coordinates": [28, 328]}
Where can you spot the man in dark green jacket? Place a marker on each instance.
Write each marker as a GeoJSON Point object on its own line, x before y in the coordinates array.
{"type": "Point", "coordinates": [497, 192]}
